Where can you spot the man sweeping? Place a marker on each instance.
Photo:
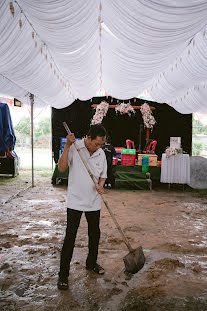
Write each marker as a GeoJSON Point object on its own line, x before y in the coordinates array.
{"type": "Point", "coordinates": [83, 197]}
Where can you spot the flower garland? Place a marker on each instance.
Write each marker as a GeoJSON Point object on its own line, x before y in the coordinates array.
{"type": "Point", "coordinates": [124, 108]}
{"type": "Point", "coordinates": [101, 111]}
{"type": "Point", "coordinates": [149, 120]}
{"type": "Point", "coordinates": [173, 151]}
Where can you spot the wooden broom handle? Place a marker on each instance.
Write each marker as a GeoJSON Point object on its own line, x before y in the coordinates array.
{"type": "Point", "coordinates": [102, 196]}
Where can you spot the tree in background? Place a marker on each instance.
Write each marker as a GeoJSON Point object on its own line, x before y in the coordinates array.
{"type": "Point", "coordinates": [43, 128]}
{"type": "Point", "coordinates": [23, 126]}
{"type": "Point", "coordinates": [197, 148]}
{"type": "Point", "coordinates": [199, 127]}
{"type": "Point", "coordinates": [199, 144]}
{"type": "Point", "coordinates": [42, 132]}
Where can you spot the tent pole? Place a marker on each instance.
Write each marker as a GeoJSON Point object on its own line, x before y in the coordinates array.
{"type": "Point", "coordinates": [31, 96]}
{"type": "Point", "coordinates": [51, 136]}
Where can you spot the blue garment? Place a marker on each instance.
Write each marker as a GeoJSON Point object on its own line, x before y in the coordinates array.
{"type": "Point", "coordinates": [7, 135]}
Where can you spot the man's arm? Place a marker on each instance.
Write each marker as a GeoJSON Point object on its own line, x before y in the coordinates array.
{"type": "Point", "coordinates": [63, 161]}
{"type": "Point", "coordinates": [101, 180]}
{"type": "Point", "coordinates": [100, 187]}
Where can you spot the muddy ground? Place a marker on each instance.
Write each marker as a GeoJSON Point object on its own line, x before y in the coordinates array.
{"type": "Point", "coordinates": [170, 225]}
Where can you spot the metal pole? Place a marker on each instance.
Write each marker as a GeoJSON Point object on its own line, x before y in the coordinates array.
{"type": "Point", "coordinates": [31, 96]}
{"type": "Point", "coordinates": [51, 138]}
{"type": "Point", "coordinates": [140, 138]}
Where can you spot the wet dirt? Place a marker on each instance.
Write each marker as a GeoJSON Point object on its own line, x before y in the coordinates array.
{"type": "Point", "coordinates": [170, 226]}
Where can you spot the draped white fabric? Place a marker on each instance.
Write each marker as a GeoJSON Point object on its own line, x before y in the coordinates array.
{"type": "Point", "coordinates": [175, 169]}
{"type": "Point", "coordinates": [60, 50]}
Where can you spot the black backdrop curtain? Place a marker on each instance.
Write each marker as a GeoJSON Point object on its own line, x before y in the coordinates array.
{"type": "Point", "coordinates": [121, 127]}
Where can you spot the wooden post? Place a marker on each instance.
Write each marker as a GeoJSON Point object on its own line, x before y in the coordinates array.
{"type": "Point", "coordinates": [31, 96]}
{"type": "Point", "coordinates": [147, 134]}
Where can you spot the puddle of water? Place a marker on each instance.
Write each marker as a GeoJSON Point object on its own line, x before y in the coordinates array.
{"type": "Point", "coordinates": [44, 222]}
{"type": "Point", "coordinates": [34, 202]}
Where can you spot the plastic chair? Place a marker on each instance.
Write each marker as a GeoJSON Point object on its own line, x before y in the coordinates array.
{"type": "Point", "coordinates": [130, 144]}
{"type": "Point", "coordinates": [151, 148]}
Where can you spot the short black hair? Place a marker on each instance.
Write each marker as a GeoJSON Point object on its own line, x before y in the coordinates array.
{"type": "Point", "coordinates": [96, 130]}
{"type": "Point", "coordinates": [108, 139]}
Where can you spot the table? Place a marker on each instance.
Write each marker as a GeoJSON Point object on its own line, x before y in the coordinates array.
{"type": "Point", "coordinates": [175, 169]}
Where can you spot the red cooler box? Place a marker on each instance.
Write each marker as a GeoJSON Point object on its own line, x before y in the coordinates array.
{"type": "Point", "coordinates": [128, 157]}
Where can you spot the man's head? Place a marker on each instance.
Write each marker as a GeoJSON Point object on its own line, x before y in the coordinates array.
{"type": "Point", "coordinates": [95, 138]}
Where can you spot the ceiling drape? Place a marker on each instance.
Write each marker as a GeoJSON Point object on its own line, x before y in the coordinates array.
{"type": "Point", "coordinates": [60, 50]}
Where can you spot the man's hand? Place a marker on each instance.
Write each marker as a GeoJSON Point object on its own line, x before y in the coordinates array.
{"type": "Point", "coordinates": [70, 139]}
{"type": "Point", "coordinates": [100, 189]}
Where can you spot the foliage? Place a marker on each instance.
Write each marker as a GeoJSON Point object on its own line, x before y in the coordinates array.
{"type": "Point", "coordinates": [43, 128]}
{"type": "Point", "coordinates": [197, 148]}
{"type": "Point", "coordinates": [42, 132]}
{"type": "Point", "coordinates": [199, 127]}
{"type": "Point", "coordinates": [23, 126]}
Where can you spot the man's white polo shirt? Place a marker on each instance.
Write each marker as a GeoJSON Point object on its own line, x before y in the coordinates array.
{"type": "Point", "coordinates": [81, 193]}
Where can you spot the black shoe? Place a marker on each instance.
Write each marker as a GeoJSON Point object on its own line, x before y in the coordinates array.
{"type": "Point", "coordinates": [96, 269]}
{"type": "Point", "coordinates": [62, 283]}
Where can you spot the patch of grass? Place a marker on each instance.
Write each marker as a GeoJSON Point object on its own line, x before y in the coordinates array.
{"type": "Point", "coordinates": [5, 179]}
{"type": "Point", "coordinates": [38, 171]}
{"type": "Point", "coordinates": [201, 193]}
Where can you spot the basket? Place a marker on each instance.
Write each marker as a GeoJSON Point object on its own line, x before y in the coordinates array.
{"type": "Point", "coordinates": [128, 159]}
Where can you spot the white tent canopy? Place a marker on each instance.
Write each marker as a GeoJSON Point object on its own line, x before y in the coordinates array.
{"type": "Point", "coordinates": [60, 50]}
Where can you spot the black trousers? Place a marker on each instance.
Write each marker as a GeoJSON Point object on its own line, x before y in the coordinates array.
{"type": "Point", "coordinates": [110, 179]}
{"type": "Point", "coordinates": [73, 221]}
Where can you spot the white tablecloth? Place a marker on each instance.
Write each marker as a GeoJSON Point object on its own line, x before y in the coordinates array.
{"type": "Point", "coordinates": [175, 169]}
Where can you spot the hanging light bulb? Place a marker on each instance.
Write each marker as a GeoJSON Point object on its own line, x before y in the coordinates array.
{"type": "Point", "coordinates": [20, 24]}
{"type": "Point", "coordinates": [11, 8]}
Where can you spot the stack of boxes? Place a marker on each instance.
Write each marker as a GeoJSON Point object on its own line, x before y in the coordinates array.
{"type": "Point", "coordinates": [128, 157]}
{"type": "Point", "coordinates": [152, 159]}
